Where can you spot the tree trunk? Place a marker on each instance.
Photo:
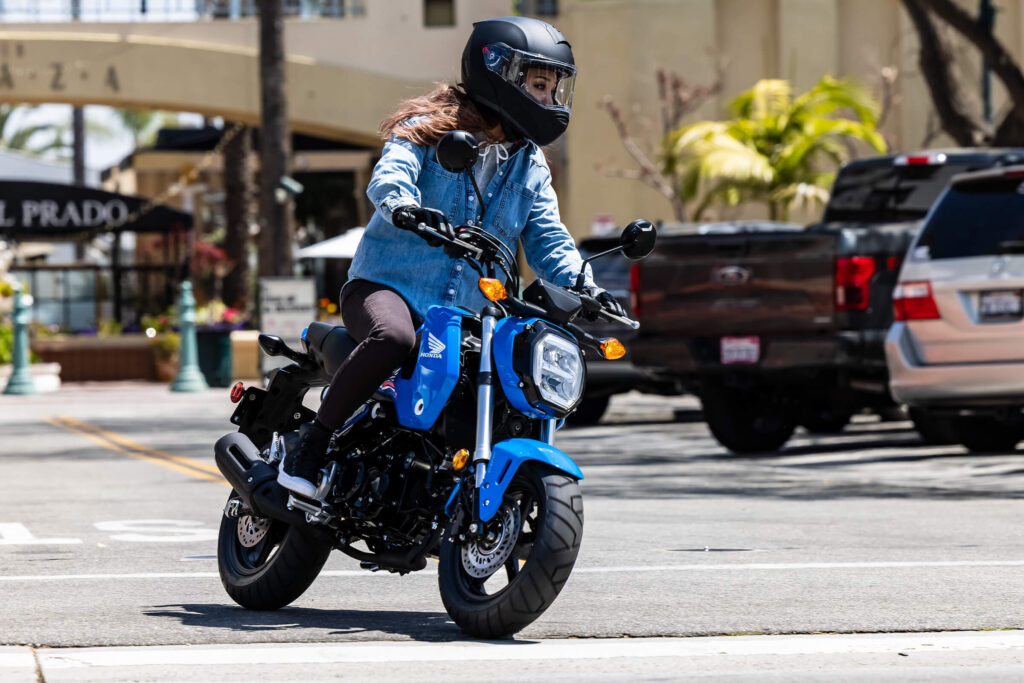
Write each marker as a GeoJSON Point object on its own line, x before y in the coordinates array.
{"type": "Point", "coordinates": [275, 253]}
{"type": "Point", "coordinates": [237, 196]}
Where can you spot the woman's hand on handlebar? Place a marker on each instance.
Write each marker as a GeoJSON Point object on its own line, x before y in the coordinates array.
{"type": "Point", "coordinates": [416, 218]}
{"type": "Point", "coordinates": [607, 301]}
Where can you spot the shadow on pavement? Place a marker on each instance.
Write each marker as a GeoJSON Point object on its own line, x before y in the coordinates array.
{"type": "Point", "coordinates": [422, 626]}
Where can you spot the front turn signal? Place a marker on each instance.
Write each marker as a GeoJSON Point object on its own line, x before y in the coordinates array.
{"type": "Point", "coordinates": [612, 348]}
{"type": "Point", "coordinates": [492, 289]}
{"type": "Point", "coordinates": [460, 459]}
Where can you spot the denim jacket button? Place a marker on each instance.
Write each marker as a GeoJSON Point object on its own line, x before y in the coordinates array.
{"type": "Point", "coordinates": [451, 292]}
{"type": "Point", "coordinates": [458, 268]}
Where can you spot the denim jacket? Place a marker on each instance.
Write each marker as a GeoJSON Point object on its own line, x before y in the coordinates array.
{"type": "Point", "coordinates": [519, 204]}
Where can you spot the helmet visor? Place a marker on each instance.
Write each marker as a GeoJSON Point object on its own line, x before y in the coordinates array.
{"type": "Point", "coordinates": [548, 82]}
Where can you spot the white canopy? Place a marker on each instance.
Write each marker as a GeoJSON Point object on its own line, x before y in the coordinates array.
{"type": "Point", "coordinates": [342, 246]}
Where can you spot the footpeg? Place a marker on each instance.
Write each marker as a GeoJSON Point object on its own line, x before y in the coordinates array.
{"type": "Point", "coordinates": [315, 514]}
{"type": "Point", "coordinates": [370, 566]}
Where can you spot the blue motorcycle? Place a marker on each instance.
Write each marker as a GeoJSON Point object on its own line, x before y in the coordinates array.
{"type": "Point", "coordinates": [452, 458]}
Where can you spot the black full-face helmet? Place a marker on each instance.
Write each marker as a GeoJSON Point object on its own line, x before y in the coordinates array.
{"type": "Point", "coordinates": [521, 69]}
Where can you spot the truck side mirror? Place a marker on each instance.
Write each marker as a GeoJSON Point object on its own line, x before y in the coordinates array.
{"type": "Point", "coordinates": [457, 151]}
{"type": "Point", "coordinates": [637, 239]}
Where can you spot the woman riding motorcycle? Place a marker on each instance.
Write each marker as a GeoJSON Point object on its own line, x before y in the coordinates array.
{"type": "Point", "coordinates": [516, 94]}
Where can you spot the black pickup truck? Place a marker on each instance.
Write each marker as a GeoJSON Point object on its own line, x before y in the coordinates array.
{"type": "Point", "coordinates": [774, 325]}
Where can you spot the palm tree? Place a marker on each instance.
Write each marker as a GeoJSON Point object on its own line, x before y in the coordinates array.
{"type": "Point", "coordinates": [778, 149]}
{"type": "Point", "coordinates": [19, 138]}
{"type": "Point", "coordinates": [143, 124]}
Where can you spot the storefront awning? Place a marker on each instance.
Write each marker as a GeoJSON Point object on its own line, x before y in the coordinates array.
{"type": "Point", "coordinates": [40, 210]}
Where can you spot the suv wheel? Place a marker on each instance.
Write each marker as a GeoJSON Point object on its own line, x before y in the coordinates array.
{"type": "Point", "coordinates": [746, 421]}
{"type": "Point", "coordinates": [934, 430]}
{"type": "Point", "coordinates": [983, 434]}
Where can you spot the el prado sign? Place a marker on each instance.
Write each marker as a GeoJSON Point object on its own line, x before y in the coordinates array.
{"type": "Point", "coordinates": [34, 209]}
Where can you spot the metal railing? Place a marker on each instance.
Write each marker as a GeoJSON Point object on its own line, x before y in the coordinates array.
{"type": "Point", "coordinates": [14, 11]}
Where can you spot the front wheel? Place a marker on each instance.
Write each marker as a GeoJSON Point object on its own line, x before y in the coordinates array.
{"type": "Point", "coordinates": [266, 564]}
{"type": "Point", "coordinates": [497, 585]}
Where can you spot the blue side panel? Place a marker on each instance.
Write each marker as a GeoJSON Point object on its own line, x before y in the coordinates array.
{"type": "Point", "coordinates": [421, 398]}
{"type": "Point", "coordinates": [505, 333]}
{"type": "Point", "coordinates": [506, 458]}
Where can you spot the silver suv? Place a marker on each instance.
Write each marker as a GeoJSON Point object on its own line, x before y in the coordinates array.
{"type": "Point", "coordinates": [956, 351]}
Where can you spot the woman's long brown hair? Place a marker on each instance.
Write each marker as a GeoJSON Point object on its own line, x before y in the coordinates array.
{"type": "Point", "coordinates": [442, 110]}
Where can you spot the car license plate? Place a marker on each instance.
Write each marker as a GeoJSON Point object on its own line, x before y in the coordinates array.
{"type": "Point", "coordinates": [741, 350]}
{"type": "Point", "coordinates": [1000, 304]}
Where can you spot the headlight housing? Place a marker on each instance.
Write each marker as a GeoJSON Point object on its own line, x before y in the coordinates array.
{"type": "Point", "coordinates": [556, 372]}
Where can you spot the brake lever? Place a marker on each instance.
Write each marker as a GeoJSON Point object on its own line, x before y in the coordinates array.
{"type": "Point", "coordinates": [474, 251]}
{"type": "Point", "coordinates": [592, 305]}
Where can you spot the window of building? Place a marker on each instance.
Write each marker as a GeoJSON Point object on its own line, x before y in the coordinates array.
{"type": "Point", "coordinates": [538, 8]}
{"type": "Point", "coordinates": [439, 12]}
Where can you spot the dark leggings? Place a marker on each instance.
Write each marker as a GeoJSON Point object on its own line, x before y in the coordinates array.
{"type": "Point", "coordinates": [379, 319]}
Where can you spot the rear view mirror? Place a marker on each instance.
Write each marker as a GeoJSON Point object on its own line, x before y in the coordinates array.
{"type": "Point", "coordinates": [271, 344]}
{"type": "Point", "coordinates": [457, 151]}
{"type": "Point", "coordinates": [637, 239]}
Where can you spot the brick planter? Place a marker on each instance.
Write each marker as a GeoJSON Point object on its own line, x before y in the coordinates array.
{"type": "Point", "coordinates": [84, 359]}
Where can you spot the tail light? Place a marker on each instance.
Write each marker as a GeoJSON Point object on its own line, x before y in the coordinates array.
{"type": "Point", "coordinates": [634, 289]}
{"type": "Point", "coordinates": [853, 277]}
{"type": "Point", "coordinates": [914, 301]}
{"type": "Point", "coordinates": [237, 392]}
{"type": "Point", "coordinates": [936, 159]}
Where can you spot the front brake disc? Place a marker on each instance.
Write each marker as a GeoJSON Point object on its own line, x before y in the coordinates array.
{"type": "Point", "coordinates": [481, 558]}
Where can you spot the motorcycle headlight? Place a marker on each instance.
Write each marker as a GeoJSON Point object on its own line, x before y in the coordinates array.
{"type": "Point", "coordinates": [557, 370]}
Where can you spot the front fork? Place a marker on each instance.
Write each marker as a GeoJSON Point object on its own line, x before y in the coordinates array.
{"type": "Point", "coordinates": [485, 407]}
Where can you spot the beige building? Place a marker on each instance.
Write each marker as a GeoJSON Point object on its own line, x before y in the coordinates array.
{"type": "Point", "coordinates": [345, 74]}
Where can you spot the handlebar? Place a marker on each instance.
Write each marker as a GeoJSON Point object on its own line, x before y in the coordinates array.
{"type": "Point", "coordinates": [590, 304]}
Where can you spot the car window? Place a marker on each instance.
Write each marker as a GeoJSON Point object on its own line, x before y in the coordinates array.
{"type": "Point", "coordinates": [974, 220]}
{"type": "Point", "coordinates": [880, 191]}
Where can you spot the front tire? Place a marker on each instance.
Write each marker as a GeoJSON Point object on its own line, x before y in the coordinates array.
{"type": "Point", "coordinates": [495, 587]}
{"type": "Point", "coordinates": [266, 564]}
{"type": "Point", "coordinates": [983, 434]}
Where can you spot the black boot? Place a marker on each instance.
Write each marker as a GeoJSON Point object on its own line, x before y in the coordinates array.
{"type": "Point", "coordinates": [300, 465]}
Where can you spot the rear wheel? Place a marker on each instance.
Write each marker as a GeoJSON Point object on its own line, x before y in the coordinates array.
{"type": "Point", "coordinates": [984, 434]}
{"type": "Point", "coordinates": [746, 421]}
{"type": "Point", "coordinates": [266, 564]}
{"type": "Point", "coordinates": [497, 585]}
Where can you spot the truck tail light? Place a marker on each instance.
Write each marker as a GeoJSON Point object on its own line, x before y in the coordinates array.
{"type": "Point", "coordinates": [914, 301]}
{"type": "Point", "coordinates": [920, 159]}
{"type": "Point", "coordinates": [853, 276]}
{"type": "Point", "coordinates": [634, 289]}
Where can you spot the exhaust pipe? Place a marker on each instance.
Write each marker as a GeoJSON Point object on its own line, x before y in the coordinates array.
{"type": "Point", "coordinates": [253, 480]}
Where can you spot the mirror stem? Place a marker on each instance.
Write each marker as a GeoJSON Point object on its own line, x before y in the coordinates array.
{"type": "Point", "coordinates": [479, 196]}
{"type": "Point", "coordinates": [582, 278]}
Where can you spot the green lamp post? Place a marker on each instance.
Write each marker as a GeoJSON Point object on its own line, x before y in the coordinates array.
{"type": "Point", "coordinates": [189, 376]}
{"type": "Point", "coordinates": [21, 382]}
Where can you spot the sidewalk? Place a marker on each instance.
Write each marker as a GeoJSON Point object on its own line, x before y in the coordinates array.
{"type": "Point", "coordinates": [950, 656]}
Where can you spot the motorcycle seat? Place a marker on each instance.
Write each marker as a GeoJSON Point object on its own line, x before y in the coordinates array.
{"type": "Point", "coordinates": [330, 345]}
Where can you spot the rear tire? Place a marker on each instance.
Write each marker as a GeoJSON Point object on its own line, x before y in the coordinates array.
{"type": "Point", "coordinates": [746, 421]}
{"type": "Point", "coordinates": [548, 508]}
{"type": "Point", "coordinates": [982, 434]}
{"type": "Point", "coordinates": [275, 569]}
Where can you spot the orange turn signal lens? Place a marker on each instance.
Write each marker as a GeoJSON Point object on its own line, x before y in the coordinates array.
{"type": "Point", "coordinates": [612, 348]}
{"type": "Point", "coordinates": [460, 459]}
{"type": "Point", "coordinates": [492, 289]}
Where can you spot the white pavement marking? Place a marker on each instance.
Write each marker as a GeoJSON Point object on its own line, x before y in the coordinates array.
{"type": "Point", "coordinates": [797, 566]}
{"type": "Point", "coordinates": [562, 650]}
{"type": "Point", "coordinates": [14, 533]}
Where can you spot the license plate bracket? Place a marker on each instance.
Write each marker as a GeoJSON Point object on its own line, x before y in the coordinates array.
{"type": "Point", "coordinates": [740, 350]}
{"type": "Point", "coordinates": [1000, 304]}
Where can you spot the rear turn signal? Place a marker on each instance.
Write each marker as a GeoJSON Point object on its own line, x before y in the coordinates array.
{"type": "Point", "coordinates": [492, 289]}
{"type": "Point", "coordinates": [914, 301]}
{"type": "Point", "coordinates": [612, 348]}
{"type": "Point", "coordinates": [237, 391]}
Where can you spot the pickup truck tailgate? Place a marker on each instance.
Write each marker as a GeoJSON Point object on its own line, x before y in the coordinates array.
{"type": "Point", "coordinates": [737, 284]}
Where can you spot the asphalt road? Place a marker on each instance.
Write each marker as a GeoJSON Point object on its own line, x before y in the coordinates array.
{"type": "Point", "coordinates": [111, 505]}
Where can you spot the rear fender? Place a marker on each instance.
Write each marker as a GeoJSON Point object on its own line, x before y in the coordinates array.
{"type": "Point", "coordinates": [506, 458]}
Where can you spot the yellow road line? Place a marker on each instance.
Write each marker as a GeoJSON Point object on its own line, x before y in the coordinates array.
{"type": "Point", "coordinates": [116, 442]}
